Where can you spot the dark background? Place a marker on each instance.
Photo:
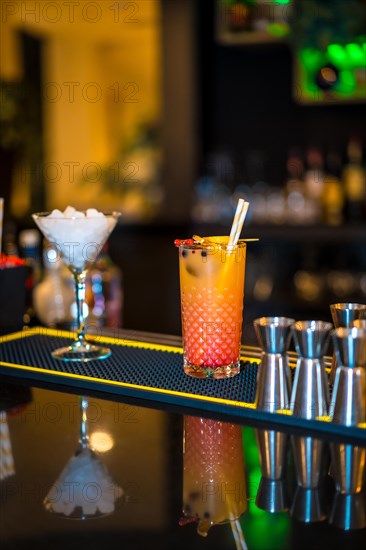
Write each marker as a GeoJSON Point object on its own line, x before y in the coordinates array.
{"type": "Point", "coordinates": [244, 105]}
{"type": "Point", "coordinates": [237, 99]}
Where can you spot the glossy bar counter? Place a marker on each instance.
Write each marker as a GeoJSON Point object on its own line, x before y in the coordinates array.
{"type": "Point", "coordinates": [140, 470]}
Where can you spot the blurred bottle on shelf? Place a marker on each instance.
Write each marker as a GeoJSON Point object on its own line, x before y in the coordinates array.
{"type": "Point", "coordinates": [10, 243]}
{"type": "Point", "coordinates": [333, 194]}
{"type": "Point", "coordinates": [54, 295]}
{"type": "Point", "coordinates": [354, 178]}
{"type": "Point", "coordinates": [318, 189]}
{"type": "Point", "coordinates": [295, 189]}
{"type": "Point", "coordinates": [276, 206]}
{"type": "Point", "coordinates": [104, 292]}
{"type": "Point", "coordinates": [314, 183]}
{"type": "Point", "coordinates": [259, 204]}
{"type": "Point", "coordinates": [30, 251]}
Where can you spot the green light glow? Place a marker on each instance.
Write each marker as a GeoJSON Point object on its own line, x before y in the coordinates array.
{"type": "Point", "coordinates": [337, 55]}
{"type": "Point", "coordinates": [282, 2]}
{"type": "Point", "coordinates": [311, 57]}
{"type": "Point", "coordinates": [262, 530]}
{"type": "Point", "coordinates": [347, 84]}
{"type": "Point", "coordinates": [355, 54]}
{"type": "Point", "coordinates": [278, 29]}
{"type": "Point", "coordinates": [347, 58]}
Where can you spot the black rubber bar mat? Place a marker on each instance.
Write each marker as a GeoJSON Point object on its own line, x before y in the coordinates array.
{"type": "Point", "coordinates": [146, 371]}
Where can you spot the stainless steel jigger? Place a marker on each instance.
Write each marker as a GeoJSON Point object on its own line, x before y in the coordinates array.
{"type": "Point", "coordinates": [310, 398]}
{"type": "Point", "coordinates": [348, 406]}
{"type": "Point", "coordinates": [273, 379]}
{"type": "Point", "coordinates": [272, 394]}
{"type": "Point", "coordinates": [344, 315]}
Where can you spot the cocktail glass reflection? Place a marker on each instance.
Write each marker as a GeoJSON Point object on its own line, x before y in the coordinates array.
{"type": "Point", "coordinates": [78, 237]}
{"type": "Point", "coordinates": [84, 489]}
{"type": "Point", "coordinates": [214, 486]}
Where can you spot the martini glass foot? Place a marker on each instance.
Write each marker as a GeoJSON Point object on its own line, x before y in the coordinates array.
{"type": "Point", "coordinates": [83, 352]}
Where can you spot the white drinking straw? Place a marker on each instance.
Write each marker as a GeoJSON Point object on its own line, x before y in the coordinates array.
{"type": "Point", "coordinates": [238, 535]}
{"type": "Point", "coordinates": [240, 214]}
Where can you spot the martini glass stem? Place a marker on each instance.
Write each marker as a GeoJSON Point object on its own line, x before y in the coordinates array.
{"type": "Point", "coordinates": [79, 279]}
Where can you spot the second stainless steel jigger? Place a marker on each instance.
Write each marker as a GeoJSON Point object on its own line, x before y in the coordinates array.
{"type": "Point", "coordinates": [348, 406]}
{"type": "Point", "coordinates": [344, 315]}
{"type": "Point", "coordinates": [310, 394]}
{"type": "Point", "coordinates": [310, 397]}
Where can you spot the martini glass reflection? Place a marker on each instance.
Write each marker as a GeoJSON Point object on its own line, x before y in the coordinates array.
{"type": "Point", "coordinates": [78, 238]}
{"type": "Point", "coordinates": [84, 489]}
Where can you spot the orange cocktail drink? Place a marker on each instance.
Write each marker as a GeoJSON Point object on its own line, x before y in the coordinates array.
{"type": "Point", "coordinates": [212, 293]}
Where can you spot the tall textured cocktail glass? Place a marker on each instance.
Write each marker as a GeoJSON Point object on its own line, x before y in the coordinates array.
{"type": "Point", "coordinates": [78, 237]}
{"type": "Point", "coordinates": [212, 293]}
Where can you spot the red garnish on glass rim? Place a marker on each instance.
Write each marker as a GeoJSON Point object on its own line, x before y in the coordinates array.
{"type": "Point", "coordinates": [10, 261]}
{"type": "Point", "coordinates": [188, 242]}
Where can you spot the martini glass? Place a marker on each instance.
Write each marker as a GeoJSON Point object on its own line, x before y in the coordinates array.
{"type": "Point", "coordinates": [78, 238]}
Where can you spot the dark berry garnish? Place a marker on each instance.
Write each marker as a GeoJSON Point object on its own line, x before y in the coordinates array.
{"type": "Point", "coordinates": [203, 253]}
{"type": "Point", "coordinates": [184, 253]}
{"type": "Point", "coordinates": [206, 515]}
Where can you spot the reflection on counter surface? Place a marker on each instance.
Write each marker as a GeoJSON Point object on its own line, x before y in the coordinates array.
{"type": "Point", "coordinates": [214, 488]}
{"type": "Point", "coordinates": [84, 489]}
{"type": "Point", "coordinates": [223, 480]}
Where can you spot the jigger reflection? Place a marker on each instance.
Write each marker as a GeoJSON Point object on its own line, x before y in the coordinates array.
{"type": "Point", "coordinates": [84, 488]}
{"type": "Point", "coordinates": [308, 505]}
{"type": "Point", "coordinates": [348, 511]}
{"type": "Point", "coordinates": [310, 400]}
{"type": "Point", "coordinates": [272, 495]}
